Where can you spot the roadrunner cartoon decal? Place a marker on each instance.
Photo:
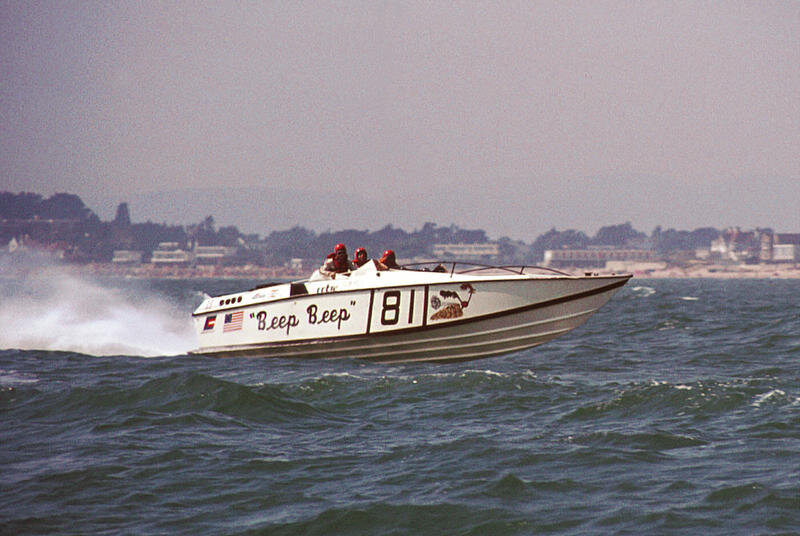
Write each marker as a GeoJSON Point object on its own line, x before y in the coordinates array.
{"type": "Point", "coordinates": [450, 309]}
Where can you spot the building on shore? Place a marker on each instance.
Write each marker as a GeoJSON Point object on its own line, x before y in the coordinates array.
{"type": "Point", "coordinates": [19, 246]}
{"type": "Point", "coordinates": [785, 253]}
{"type": "Point", "coordinates": [736, 245]}
{"type": "Point", "coordinates": [170, 253]}
{"type": "Point", "coordinates": [173, 254]}
{"type": "Point", "coordinates": [786, 247]}
{"type": "Point", "coordinates": [481, 251]}
{"type": "Point", "coordinates": [779, 247]}
{"type": "Point", "coordinates": [212, 254]}
{"type": "Point", "coordinates": [125, 256]}
{"type": "Point", "coordinates": [595, 257]}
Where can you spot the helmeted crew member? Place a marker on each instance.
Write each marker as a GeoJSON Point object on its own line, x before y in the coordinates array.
{"type": "Point", "coordinates": [389, 259]}
{"type": "Point", "coordinates": [337, 262]}
{"type": "Point", "coordinates": [360, 258]}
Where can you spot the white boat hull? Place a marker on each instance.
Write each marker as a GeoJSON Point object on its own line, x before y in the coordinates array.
{"type": "Point", "coordinates": [443, 318]}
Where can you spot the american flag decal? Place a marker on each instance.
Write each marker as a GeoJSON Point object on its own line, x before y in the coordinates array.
{"type": "Point", "coordinates": [233, 321]}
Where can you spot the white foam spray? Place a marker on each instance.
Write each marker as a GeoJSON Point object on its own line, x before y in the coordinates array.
{"type": "Point", "coordinates": [644, 292]}
{"type": "Point", "coordinates": [52, 308]}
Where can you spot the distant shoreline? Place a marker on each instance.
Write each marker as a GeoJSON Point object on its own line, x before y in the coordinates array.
{"type": "Point", "coordinates": [148, 271]}
{"type": "Point", "coordinates": [746, 271]}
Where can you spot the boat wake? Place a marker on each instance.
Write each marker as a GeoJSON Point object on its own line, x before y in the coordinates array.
{"type": "Point", "coordinates": [51, 309]}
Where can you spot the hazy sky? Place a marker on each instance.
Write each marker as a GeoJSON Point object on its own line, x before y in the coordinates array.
{"type": "Point", "coordinates": [508, 116]}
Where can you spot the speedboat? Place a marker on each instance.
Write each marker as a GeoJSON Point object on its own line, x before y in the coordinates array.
{"type": "Point", "coordinates": [453, 312]}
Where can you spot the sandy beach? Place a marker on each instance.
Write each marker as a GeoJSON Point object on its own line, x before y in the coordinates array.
{"type": "Point", "coordinates": [694, 271]}
{"type": "Point", "coordinates": [744, 271]}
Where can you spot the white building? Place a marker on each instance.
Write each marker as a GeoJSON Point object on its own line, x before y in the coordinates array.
{"type": "Point", "coordinates": [212, 254]}
{"type": "Point", "coordinates": [295, 264]}
{"type": "Point", "coordinates": [595, 258]}
{"type": "Point", "coordinates": [170, 253]}
{"type": "Point", "coordinates": [177, 256]}
{"type": "Point", "coordinates": [785, 253]}
{"type": "Point", "coordinates": [124, 256]}
{"type": "Point", "coordinates": [466, 251]}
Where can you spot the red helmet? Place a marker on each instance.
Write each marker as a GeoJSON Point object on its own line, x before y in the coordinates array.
{"type": "Point", "coordinates": [388, 253]}
{"type": "Point", "coordinates": [359, 251]}
{"type": "Point", "coordinates": [339, 247]}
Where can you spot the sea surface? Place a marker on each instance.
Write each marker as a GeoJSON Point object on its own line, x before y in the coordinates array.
{"type": "Point", "coordinates": [674, 410]}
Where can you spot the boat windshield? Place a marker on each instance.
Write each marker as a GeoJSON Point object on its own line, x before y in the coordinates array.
{"type": "Point", "coordinates": [449, 267]}
{"type": "Point", "coordinates": [467, 267]}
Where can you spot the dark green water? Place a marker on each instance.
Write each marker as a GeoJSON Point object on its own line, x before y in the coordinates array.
{"type": "Point", "coordinates": [674, 410]}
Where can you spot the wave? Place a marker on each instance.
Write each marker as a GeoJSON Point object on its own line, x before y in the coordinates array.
{"type": "Point", "coordinates": [701, 399]}
{"type": "Point", "coordinates": [379, 517]}
{"type": "Point", "coordinates": [644, 441]}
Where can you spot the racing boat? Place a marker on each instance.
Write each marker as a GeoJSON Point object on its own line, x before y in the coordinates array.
{"type": "Point", "coordinates": [459, 312]}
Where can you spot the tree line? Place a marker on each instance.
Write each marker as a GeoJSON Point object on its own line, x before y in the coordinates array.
{"type": "Point", "coordinates": [64, 221]}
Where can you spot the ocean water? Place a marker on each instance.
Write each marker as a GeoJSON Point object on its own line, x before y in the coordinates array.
{"type": "Point", "coordinates": [674, 410]}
